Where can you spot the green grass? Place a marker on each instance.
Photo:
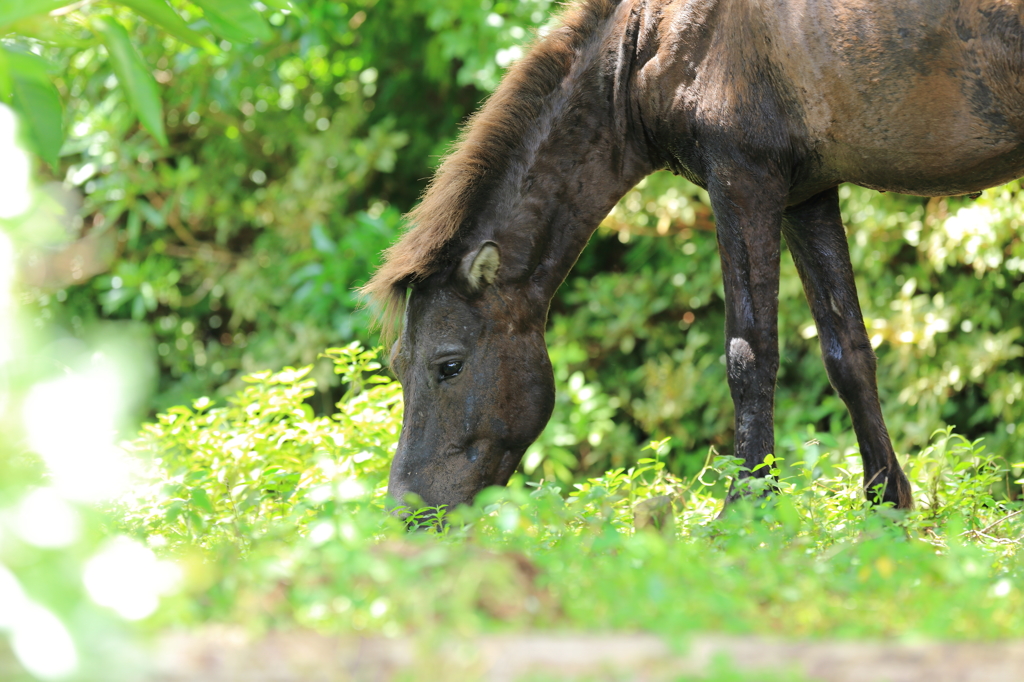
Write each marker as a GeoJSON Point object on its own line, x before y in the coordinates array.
{"type": "Point", "coordinates": [277, 520]}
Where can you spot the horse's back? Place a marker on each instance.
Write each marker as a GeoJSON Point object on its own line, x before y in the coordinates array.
{"type": "Point", "coordinates": [921, 97]}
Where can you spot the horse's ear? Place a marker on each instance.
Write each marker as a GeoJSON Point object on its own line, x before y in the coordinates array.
{"type": "Point", "coordinates": [479, 267]}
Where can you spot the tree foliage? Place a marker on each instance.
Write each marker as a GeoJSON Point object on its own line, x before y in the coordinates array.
{"type": "Point", "coordinates": [239, 243]}
{"type": "Point", "coordinates": [938, 279]}
{"type": "Point", "coordinates": [296, 135]}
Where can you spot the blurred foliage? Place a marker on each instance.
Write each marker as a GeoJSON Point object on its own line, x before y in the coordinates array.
{"type": "Point", "coordinates": [69, 585]}
{"type": "Point", "coordinates": [25, 75]}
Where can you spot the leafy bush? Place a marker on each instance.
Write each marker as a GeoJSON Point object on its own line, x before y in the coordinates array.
{"type": "Point", "coordinates": [634, 549]}
{"type": "Point", "coordinates": [265, 461]}
{"type": "Point", "coordinates": [640, 323]}
{"type": "Point", "coordinates": [258, 513]}
{"type": "Point", "coordinates": [293, 146]}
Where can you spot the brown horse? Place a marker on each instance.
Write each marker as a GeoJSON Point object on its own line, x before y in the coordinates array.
{"type": "Point", "coordinates": [769, 105]}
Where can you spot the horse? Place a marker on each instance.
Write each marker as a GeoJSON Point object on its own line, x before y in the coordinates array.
{"type": "Point", "coordinates": [767, 104]}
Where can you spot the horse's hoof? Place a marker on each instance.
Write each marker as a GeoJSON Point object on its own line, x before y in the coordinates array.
{"type": "Point", "coordinates": [894, 487]}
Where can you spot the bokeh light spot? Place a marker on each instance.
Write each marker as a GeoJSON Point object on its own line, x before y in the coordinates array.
{"type": "Point", "coordinates": [128, 578]}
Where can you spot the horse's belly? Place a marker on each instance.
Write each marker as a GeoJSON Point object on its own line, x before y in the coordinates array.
{"type": "Point", "coordinates": [925, 137]}
{"type": "Point", "coordinates": [945, 170]}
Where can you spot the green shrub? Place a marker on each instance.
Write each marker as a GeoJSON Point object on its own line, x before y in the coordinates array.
{"type": "Point", "coordinates": [640, 321]}
{"type": "Point", "coordinates": [291, 531]}
{"type": "Point", "coordinates": [265, 461]}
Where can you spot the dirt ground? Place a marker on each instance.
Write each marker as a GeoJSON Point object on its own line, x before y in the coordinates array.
{"type": "Point", "coordinates": [227, 656]}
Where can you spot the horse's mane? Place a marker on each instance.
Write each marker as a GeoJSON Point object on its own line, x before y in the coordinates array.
{"type": "Point", "coordinates": [480, 157]}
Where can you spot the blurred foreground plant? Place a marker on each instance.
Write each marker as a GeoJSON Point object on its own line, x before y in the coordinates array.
{"type": "Point", "coordinates": [69, 586]}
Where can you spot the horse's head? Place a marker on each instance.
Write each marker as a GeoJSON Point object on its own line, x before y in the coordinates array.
{"type": "Point", "coordinates": [501, 224]}
{"type": "Point", "coordinates": [477, 380]}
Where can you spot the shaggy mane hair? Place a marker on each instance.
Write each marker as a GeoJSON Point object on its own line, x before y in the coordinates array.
{"type": "Point", "coordinates": [478, 160]}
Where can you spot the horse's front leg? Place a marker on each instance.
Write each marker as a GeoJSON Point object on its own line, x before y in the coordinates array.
{"type": "Point", "coordinates": [817, 240]}
{"type": "Point", "coordinates": [748, 210]}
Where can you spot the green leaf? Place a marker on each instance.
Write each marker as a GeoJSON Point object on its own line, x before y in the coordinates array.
{"type": "Point", "coordinates": [134, 76]}
{"type": "Point", "coordinates": [202, 500]}
{"type": "Point", "coordinates": [285, 5]}
{"type": "Point", "coordinates": [43, 113]}
{"type": "Point", "coordinates": [161, 14]}
{"type": "Point", "coordinates": [173, 511]}
{"type": "Point", "coordinates": [279, 4]}
{"type": "Point", "coordinates": [6, 84]}
{"type": "Point", "coordinates": [16, 10]}
{"type": "Point", "coordinates": [235, 20]}
{"type": "Point", "coordinates": [37, 101]}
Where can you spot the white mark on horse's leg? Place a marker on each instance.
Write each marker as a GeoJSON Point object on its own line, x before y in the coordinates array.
{"type": "Point", "coordinates": [741, 356]}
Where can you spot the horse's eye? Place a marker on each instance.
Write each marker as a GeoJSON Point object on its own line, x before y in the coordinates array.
{"type": "Point", "coordinates": [450, 369]}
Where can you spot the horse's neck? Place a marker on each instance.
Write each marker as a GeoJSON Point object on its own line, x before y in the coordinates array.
{"type": "Point", "coordinates": [578, 159]}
